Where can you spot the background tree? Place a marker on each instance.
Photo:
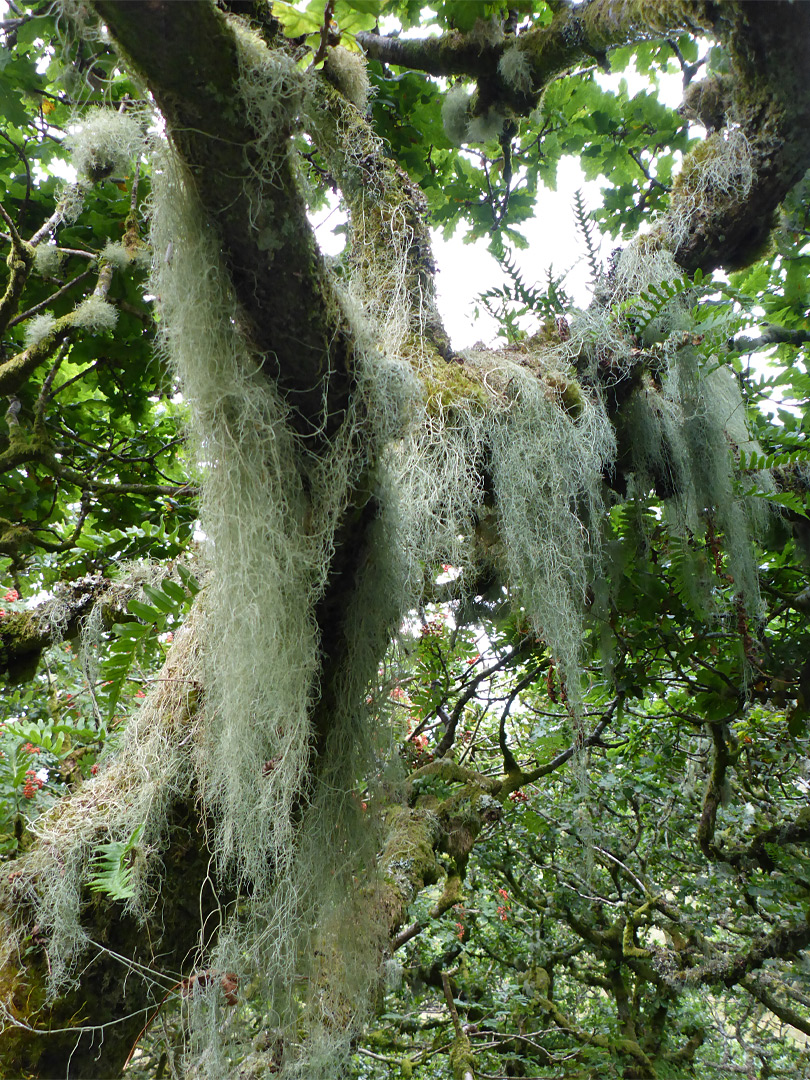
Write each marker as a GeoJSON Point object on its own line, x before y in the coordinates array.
{"type": "Point", "coordinates": [484, 685]}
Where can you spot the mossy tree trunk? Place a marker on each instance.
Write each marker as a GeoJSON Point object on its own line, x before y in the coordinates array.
{"type": "Point", "coordinates": [188, 56]}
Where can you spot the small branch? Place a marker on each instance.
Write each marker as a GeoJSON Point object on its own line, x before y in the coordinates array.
{"type": "Point", "coordinates": [50, 299]}
{"type": "Point", "coordinates": [723, 758]}
{"type": "Point", "coordinates": [47, 228]}
{"type": "Point", "coordinates": [532, 775]}
{"type": "Point", "coordinates": [461, 1056]}
{"type": "Point", "coordinates": [14, 372]}
{"type": "Point", "coordinates": [45, 392]}
{"type": "Point", "coordinates": [109, 487]}
{"type": "Point", "coordinates": [451, 1005]}
{"type": "Point", "coordinates": [133, 197]}
{"type": "Point", "coordinates": [625, 869]}
{"type": "Point", "coordinates": [326, 33]}
{"type": "Point", "coordinates": [19, 261]}
{"type": "Point", "coordinates": [510, 766]}
{"type": "Point", "coordinates": [406, 935]}
{"type": "Point", "coordinates": [29, 183]}
{"type": "Point", "coordinates": [772, 335]}
{"type": "Point", "coordinates": [450, 734]}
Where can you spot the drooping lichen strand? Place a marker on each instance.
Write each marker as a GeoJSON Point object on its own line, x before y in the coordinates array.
{"type": "Point", "coordinates": [412, 459]}
{"type": "Point", "coordinates": [547, 472]}
{"type": "Point", "coordinates": [283, 820]}
{"type": "Point", "coordinates": [684, 421]}
{"type": "Point", "coordinates": [716, 177]}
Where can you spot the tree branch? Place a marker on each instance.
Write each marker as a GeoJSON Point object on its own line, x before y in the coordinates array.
{"type": "Point", "coordinates": [189, 55]}
{"type": "Point", "coordinates": [787, 1015]}
{"type": "Point", "coordinates": [20, 260]}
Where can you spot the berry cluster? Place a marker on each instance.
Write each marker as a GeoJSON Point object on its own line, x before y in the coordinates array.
{"type": "Point", "coordinates": [32, 784]}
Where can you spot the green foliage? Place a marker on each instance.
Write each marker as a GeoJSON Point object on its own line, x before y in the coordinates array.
{"type": "Point", "coordinates": [111, 867]}
{"type": "Point", "coordinates": [138, 642]}
{"type": "Point", "coordinates": [639, 311]}
{"type": "Point", "coordinates": [512, 303]}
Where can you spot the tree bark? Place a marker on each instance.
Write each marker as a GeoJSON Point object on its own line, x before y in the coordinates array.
{"type": "Point", "coordinates": [188, 56]}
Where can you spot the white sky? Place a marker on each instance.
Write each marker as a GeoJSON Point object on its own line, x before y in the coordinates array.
{"type": "Point", "coordinates": [465, 270]}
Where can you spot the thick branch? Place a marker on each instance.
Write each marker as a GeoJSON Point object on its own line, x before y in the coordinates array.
{"type": "Point", "coordinates": [189, 56]}
{"type": "Point", "coordinates": [24, 634]}
{"type": "Point", "coordinates": [726, 225]}
{"type": "Point", "coordinates": [20, 260]}
{"type": "Point", "coordinates": [787, 1015]}
{"type": "Point", "coordinates": [89, 1028]}
{"type": "Point", "coordinates": [771, 105]}
{"type": "Point", "coordinates": [576, 36]}
{"type": "Point", "coordinates": [781, 834]}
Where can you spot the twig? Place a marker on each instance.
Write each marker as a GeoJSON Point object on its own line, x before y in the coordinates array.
{"type": "Point", "coordinates": [50, 299]}
{"type": "Point", "coordinates": [451, 1005]}
{"type": "Point", "coordinates": [328, 12]}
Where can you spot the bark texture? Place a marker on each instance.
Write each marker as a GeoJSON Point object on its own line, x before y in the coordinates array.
{"type": "Point", "coordinates": [187, 54]}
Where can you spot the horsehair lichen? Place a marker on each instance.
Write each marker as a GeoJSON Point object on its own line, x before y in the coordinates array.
{"type": "Point", "coordinates": [96, 314]}
{"type": "Point", "coordinates": [138, 786]}
{"type": "Point", "coordinates": [270, 510]}
{"type": "Point", "coordinates": [116, 254]}
{"type": "Point", "coordinates": [440, 462]}
{"type": "Point", "coordinates": [547, 473]}
{"type": "Point", "coordinates": [103, 142]}
{"type": "Point", "coordinates": [687, 423]}
{"type": "Point", "coordinates": [266, 550]}
{"type": "Point", "coordinates": [127, 585]}
{"type": "Point", "coordinates": [718, 170]}
{"type": "Point", "coordinates": [709, 494]}
{"type": "Point", "coordinates": [390, 266]}
{"type": "Point", "coordinates": [486, 125]}
{"type": "Point", "coordinates": [47, 259]}
{"type": "Point", "coordinates": [271, 87]}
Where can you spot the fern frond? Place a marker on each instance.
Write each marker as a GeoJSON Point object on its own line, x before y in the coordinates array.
{"type": "Point", "coordinates": [642, 309]}
{"type": "Point", "coordinates": [517, 298]}
{"type": "Point", "coordinates": [113, 868]}
{"type": "Point", "coordinates": [587, 230]}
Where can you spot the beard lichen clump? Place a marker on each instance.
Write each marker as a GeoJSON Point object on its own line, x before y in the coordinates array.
{"type": "Point", "coordinates": [137, 788]}
{"type": "Point", "coordinates": [719, 171]}
{"type": "Point", "coordinates": [104, 142]}
{"type": "Point", "coordinates": [270, 510]}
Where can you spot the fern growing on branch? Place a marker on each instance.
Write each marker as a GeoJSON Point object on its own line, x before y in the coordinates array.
{"type": "Point", "coordinates": [587, 230]}
{"type": "Point", "coordinates": [517, 298]}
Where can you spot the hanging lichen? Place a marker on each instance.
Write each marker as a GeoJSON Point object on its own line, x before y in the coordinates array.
{"type": "Point", "coordinates": [137, 788]}
{"type": "Point", "coordinates": [270, 510]}
{"type": "Point", "coordinates": [430, 447]}
{"type": "Point", "coordinates": [105, 141]}
{"type": "Point", "coordinates": [718, 172]}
